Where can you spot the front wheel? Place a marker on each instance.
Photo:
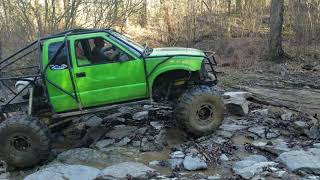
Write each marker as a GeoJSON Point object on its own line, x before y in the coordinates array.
{"type": "Point", "coordinates": [24, 141]}
{"type": "Point", "coordinates": [200, 110]}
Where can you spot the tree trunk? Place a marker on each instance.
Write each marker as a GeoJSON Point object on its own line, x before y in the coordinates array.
{"type": "Point", "coordinates": [143, 15]}
{"type": "Point", "coordinates": [276, 52]}
{"type": "Point", "coordinates": [229, 7]}
{"type": "Point", "coordinates": [238, 6]}
{"type": "Point", "coordinates": [167, 20]}
{"type": "Point", "coordinates": [0, 50]}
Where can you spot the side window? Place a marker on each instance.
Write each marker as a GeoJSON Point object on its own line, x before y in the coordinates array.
{"type": "Point", "coordinates": [61, 59]}
{"type": "Point", "coordinates": [98, 51]}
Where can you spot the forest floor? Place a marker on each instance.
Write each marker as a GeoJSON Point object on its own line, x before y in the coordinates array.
{"type": "Point", "coordinates": [276, 139]}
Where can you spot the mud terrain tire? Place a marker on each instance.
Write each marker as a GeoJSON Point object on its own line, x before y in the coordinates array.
{"type": "Point", "coordinates": [200, 110]}
{"type": "Point", "coordinates": [24, 141]}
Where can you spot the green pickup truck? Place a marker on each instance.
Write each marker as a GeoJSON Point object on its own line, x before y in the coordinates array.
{"type": "Point", "coordinates": [89, 70]}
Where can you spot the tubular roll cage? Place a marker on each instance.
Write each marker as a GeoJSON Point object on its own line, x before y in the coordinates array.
{"type": "Point", "coordinates": [41, 71]}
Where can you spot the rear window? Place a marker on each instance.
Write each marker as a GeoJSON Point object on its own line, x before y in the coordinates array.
{"type": "Point", "coordinates": [61, 57]}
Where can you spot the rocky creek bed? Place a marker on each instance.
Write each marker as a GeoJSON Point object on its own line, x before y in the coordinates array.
{"type": "Point", "coordinates": [255, 141]}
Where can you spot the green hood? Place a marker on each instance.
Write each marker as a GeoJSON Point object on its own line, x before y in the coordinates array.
{"type": "Point", "coordinates": [171, 51]}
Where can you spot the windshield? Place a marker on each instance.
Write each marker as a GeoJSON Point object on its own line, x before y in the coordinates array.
{"type": "Point", "coordinates": [135, 45]}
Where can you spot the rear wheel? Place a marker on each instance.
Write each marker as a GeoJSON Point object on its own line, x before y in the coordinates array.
{"type": "Point", "coordinates": [200, 110]}
{"type": "Point", "coordinates": [24, 141]}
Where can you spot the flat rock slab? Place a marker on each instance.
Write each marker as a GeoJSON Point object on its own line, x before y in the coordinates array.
{"type": "Point", "coordinates": [121, 132]}
{"type": "Point", "coordinates": [302, 100]}
{"type": "Point", "coordinates": [308, 161]}
{"type": "Point", "coordinates": [123, 170]}
{"type": "Point", "coordinates": [251, 166]}
{"type": "Point", "coordinates": [83, 156]}
{"type": "Point", "coordinates": [232, 127]}
{"type": "Point", "coordinates": [277, 146]}
{"type": "Point", "coordinates": [63, 172]}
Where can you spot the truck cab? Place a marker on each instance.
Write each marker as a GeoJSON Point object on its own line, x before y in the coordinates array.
{"type": "Point", "coordinates": [93, 81]}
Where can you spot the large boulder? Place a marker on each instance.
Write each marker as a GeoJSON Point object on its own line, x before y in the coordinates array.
{"type": "Point", "coordinates": [307, 161]}
{"type": "Point", "coordinates": [236, 103]}
{"type": "Point", "coordinates": [251, 166]}
{"type": "Point", "coordinates": [83, 156]}
{"type": "Point", "coordinates": [126, 169]}
{"type": "Point", "coordinates": [63, 172]}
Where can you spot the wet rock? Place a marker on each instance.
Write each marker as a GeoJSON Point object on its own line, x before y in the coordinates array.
{"type": "Point", "coordinates": [272, 134]}
{"type": "Point", "coordinates": [125, 170]}
{"type": "Point", "coordinates": [5, 176]}
{"type": "Point", "coordinates": [136, 143]}
{"type": "Point", "coordinates": [276, 146]}
{"type": "Point", "coordinates": [225, 134]}
{"type": "Point", "coordinates": [237, 103]}
{"type": "Point", "coordinates": [286, 116]}
{"type": "Point", "coordinates": [232, 127]}
{"type": "Point", "coordinates": [142, 130]}
{"type": "Point", "coordinates": [237, 95]}
{"type": "Point", "coordinates": [154, 163]}
{"type": "Point", "coordinates": [307, 161]}
{"type": "Point", "coordinates": [124, 141]}
{"type": "Point", "coordinates": [314, 132]}
{"type": "Point", "coordinates": [104, 143]}
{"type": "Point", "coordinates": [256, 158]}
{"type": "Point", "coordinates": [251, 166]}
{"type": "Point", "coordinates": [316, 68]}
{"type": "Point", "coordinates": [121, 132]}
{"type": "Point", "coordinates": [280, 174]}
{"type": "Point", "coordinates": [300, 124]}
{"type": "Point", "coordinates": [219, 140]}
{"type": "Point", "coordinates": [194, 163]}
{"type": "Point", "coordinates": [239, 107]}
{"type": "Point", "coordinates": [75, 131]}
{"type": "Point", "coordinates": [156, 125]}
{"type": "Point", "coordinates": [160, 140]}
{"type": "Point", "coordinates": [311, 177]}
{"type": "Point", "coordinates": [174, 163]}
{"type": "Point", "coordinates": [262, 112]}
{"type": "Point", "coordinates": [62, 172]}
{"type": "Point", "coordinates": [224, 157]}
{"type": "Point", "coordinates": [316, 145]}
{"type": "Point", "coordinates": [308, 67]}
{"type": "Point", "coordinates": [93, 121]}
{"type": "Point", "coordinates": [83, 156]}
{"type": "Point", "coordinates": [3, 167]}
{"type": "Point", "coordinates": [141, 115]}
{"type": "Point", "coordinates": [259, 131]}
{"type": "Point", "coordinates": [147, 145]}
{"type": "Point", "coordinates": [214, 177]}
{"type": "Point", "coordinates": [177, 154]}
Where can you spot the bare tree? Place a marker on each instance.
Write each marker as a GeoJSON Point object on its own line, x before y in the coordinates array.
{"type": "Point", "coordinates": [276, 52]}
{"type": "Point", "coordinates": [143, 14]}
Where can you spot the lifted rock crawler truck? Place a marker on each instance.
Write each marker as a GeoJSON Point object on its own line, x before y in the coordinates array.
{"type": "Point", "coordinates": [73, 77]}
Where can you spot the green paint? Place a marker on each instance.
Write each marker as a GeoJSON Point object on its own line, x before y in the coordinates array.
{"type": "Point", "coordinates": [113, 82]}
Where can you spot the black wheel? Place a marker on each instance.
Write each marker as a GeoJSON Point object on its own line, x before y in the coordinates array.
{"type": "Point", "coordinates": [200, 110]}
{"type": "Point", "coordinates": [24, 141]}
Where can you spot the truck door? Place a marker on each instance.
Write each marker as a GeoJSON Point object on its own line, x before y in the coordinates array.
{"type": "Point", "coordinates": [111, 77]}
{"type": "Point", "coordinates": [58, 79]}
